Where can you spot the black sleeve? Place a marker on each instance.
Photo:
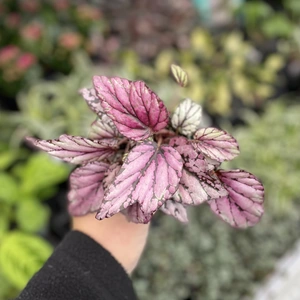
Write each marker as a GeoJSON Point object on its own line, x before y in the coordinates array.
{"type": "Point", "coordinates": [79, 269]}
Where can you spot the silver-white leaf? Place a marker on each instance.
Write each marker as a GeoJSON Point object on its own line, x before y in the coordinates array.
{"type": "Point", "coordinates": [187, 117]}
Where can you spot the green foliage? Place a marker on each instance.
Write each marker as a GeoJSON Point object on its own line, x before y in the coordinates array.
{"type": "Point", "coordinates": [25, 180]}
{"type": "Point", "coordinates": [43, 36]}
{"type": "Point", "coordinates": [220, 68]}
{"type": "Point", "coordinates": [28, 208]}
{"type": "Point", "coordinates": [262, 21]}
{"type": "Point", "coordinates": [39, 173]}
{"type": "Point", "coordinates": [50, 108]}
{"type": "Point", "coordinates": [7, 291]}
{"type": "Point", "coordinates": [270, 149]}
{"type": "Point", "coordinates": [209, 260]}
{"type": "Point", "coordinates": [21, 255]}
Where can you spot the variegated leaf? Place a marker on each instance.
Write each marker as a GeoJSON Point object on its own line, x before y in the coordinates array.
{"type": "Point", "coordinates": [243, 207]}
{"type": "Point", "coordinates": [103, 128]}
{"type": "Point", "coordinates": [75, 149]}
{"type": "Point", "coordinates": [194, 189]}
{"type": "Point", "coordinates": [94, 103]}
{"type": "Point", "coordinates": [86, 188]}
{"type": "Point", "coordinates": [180, 75]}
{"type": "Point", "coordinates": [149, 176]}
{"type": "Point", "coordinates": [175, 209]}
{"type": "Point", "coordinates": [193, 160]}
{"type": "Point", "coordinates": [187, 117]}
{"type": "Point", "coordinates": [136, 111]}
{"type": "Point", "coordinates": [135, 214]}
{"type": "Point", "coordinates": [111, 174]}
{"type": "Point", "coordinates": [216, 144]}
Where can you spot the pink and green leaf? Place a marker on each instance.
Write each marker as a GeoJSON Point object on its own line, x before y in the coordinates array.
{"type": "Point", "coordinates": [149, 175]}
{"type": "Point", "coordinates": [86, 188]}
{"type": "Point", "coordinates": [75, 149]}
{"type": "Point", "coordinates": [216, 144]}
{"type": "Point", "coordinates": [136, 111]}
{"type": "Point", "coordinates": [243, 207]}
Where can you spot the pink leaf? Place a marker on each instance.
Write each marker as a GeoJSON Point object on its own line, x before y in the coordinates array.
{"type": "Point", "coordinates": [112, 172]}
{"type": "Point", "coordinates": [135, 109]}
{"type": "Point", "coordinates": [216, 144]}
{"type": "Point", "coordinates": [193, 160]}
{"type": "Point", "coordinates": [187, 117]}
{"type": "Point", "coordinates": [149, 176]}
{"type": "Point", "coordinates": [135, 214]}
{"type": "Point", "coordinates": [194, 189]}
{"type": "Point", "coordinates": [86, 188]}
{"type": "Point", "coordinates": [75, 149]}
{"type": "Point", "coordinates": [103, 128]}
{"type": "Point", "coordinates": [243, 207]}
{"type": "Point", "coordinates": [89, 95]}
{"type": "Point", "coordinates": [175, 209]}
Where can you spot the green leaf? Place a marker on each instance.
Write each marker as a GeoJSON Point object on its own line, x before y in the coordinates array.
{"type": "Point", "coordinates": [41, 172]}
{"type": "Point", "coordinates": [31, 216]}
{"type": "Point", "coordinates": [21, 255]}
{"type": "Point", "coordinates": [163, 61]}
{"type": "Point", "coordinates": [277, 26]}
{"type": "Point", "coordinates": [7, 291]}
{"type": "Point", "coordinates": [293, 6]}
{"type": "Point", "coordinates": [8, 188]}
{"type": "Point", "coordinates": [4, 226]}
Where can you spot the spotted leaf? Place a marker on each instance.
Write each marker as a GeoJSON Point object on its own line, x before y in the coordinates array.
{"type": "Point", "coordinates": [89, 95]}
{"type": "Point", "coordinates": [194, 189]}
{"type": "Point", "coordinates": [86, 188]}
{"type": "Point", "coordinates": [136, 111]}
{"type": "Point", "coordinates": [187, 117]}
{"type": "Point", "coordinates": [103, 128]}
{"type": "Point", "coordinates": [180, 75]}
{"type": "Point", "coordinates": [75, 149]}
{"type": "Point", "coordinates": [135, 214]}
{"type": "Point", "coordinates": [175, 209]}
{"type": "Point", "coordinates": [243, 207]}
{"type": "Point", "coordinates": [112, 172]}
{"type": "Point", "coordinates": [149, 175]}
{"type": "Point", "coordinates": [216, 144]}
{"type": "Point", "coordinates": [193, 160]}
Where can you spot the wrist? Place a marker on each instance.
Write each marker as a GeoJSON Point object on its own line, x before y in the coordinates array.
{"type": "Point", "coordinates": [124, 240]}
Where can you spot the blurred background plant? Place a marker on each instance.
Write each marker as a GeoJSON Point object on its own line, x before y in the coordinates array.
{"type": "Point", "coordinates": [26, 181]}
{"type": "Point", "coordinates": [215, 261]}
{"type": "Point", "coordinates": [48, 32]}
{"type": "Point", "coordinates": [243, 62]}
{"type": "Point", "coordinates": [225, 72]}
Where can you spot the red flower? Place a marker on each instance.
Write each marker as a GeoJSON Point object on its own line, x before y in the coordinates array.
{"type": "Point", "coordinates": [25, 61]}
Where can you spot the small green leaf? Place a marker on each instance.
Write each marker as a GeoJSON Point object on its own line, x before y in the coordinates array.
{"type": "Point", "coordinates": [180, 75]}
{"type": "Point", "coordinates": [21, 255]}
{"type": "Point", "coordinates": [41, 172]}
{"type": "Point", "coordinates": [4, 226]}
{"type": "Point", "coordinates": [8, 188]}
{"type": "Point", "coordinates": [31, 216]}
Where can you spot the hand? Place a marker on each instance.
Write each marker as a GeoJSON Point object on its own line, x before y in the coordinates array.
{"type": "Point", "coordinates": [124, 240]}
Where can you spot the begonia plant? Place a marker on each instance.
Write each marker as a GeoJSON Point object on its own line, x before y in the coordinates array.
{"type": "Point", "coordinates": [138, 159]}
